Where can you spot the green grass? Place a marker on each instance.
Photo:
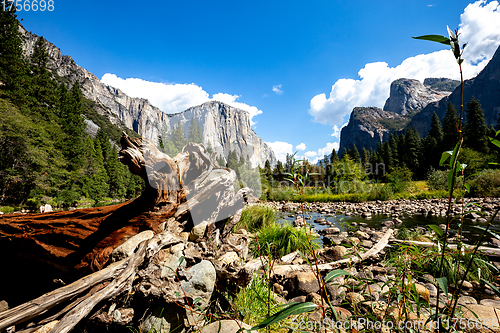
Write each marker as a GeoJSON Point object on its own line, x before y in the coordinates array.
{"type": "Point", "coordinates": [280, 240]}
{"type": "Point", "coordinates": [255, 217]}
{"type": "Point", "coordinates": [7, 209]}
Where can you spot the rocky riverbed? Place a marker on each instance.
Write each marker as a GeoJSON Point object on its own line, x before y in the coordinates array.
{"type": "Point", "coordinates": [396, 208]}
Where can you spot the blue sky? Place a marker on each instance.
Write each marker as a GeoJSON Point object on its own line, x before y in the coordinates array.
{"type": "Point", "coordinates": [298, 67]}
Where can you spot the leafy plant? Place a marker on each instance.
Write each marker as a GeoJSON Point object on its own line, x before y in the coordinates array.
{"type": "Point", "coordinates": [253, 218]}
{"type": "Point", "coordinates": [279, 240]}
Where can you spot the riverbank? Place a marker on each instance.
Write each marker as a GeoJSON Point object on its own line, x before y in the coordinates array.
{"type": "Point", "coordinates": [396, 208]}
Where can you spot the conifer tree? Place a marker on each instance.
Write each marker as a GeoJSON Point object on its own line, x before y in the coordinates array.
{"type": "Point", "coordinates": [393, 144]}
{"type": "Point", "coordinates": [43, 86]}
{"type": "Point", "coordinates": [450, 131]}
{"type": "Point", "coordinates": [475, 130]}
{"type": "Point", "coordinates": [334, 158]}
{"type": "Point", "coordinates": [195, 133]}
{"type": "Point", "coordinates": [73, 125]}
{"type": "Point", "coordinates": [354, 153]}
{"type": "Point", "coordinates": [13, 66]}
{"type": "Point", "coordinates": [413, 149]}
{"type": "Point", "coordinates": [178, 138]}
{"type": "Point", "coordinates": [436, 130]}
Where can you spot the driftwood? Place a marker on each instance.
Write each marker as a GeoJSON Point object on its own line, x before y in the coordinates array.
{"type": "Point", "coordinates": [286, 270]}
{"type": "Point", "coordinates": [489, 251]}
{"type": "Point", "coordinates": [185, 190]}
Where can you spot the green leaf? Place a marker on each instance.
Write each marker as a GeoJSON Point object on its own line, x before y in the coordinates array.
{"type": "Point", "coordinates": [436, 229]}
{"type": "Point", "coordinates": [181, 260]}
{"type": "Point", "coordinates": [495, 289]}
{"type": "Point", "coordinates": [292, 309]}
{"type": "Point", "coordinates": [435, 38]}
{"type": "Point", "coordinates": [443, 284]}
{"type": "Point", "coordinates": [444, 156]}
{"type": "Point", "coordinates": [467, 187]}
{"type": "Point", "coordinates": [494, 141]}
{"type": "Point", "coordinates": [335, 274]}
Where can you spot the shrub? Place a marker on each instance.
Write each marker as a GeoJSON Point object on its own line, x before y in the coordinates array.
{"type": "Point", "coordinates": [486, 184]}
{"type": "Point", "coordinates": [282, 240]}
{"type": "Point", "coordinates": [398, 179]}
{"type": "Point", "coordinates": [253, 218]}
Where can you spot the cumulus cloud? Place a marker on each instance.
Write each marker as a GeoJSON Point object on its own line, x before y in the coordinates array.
{"type": "Point", "coordinates": [337, 130]}
{"type": "Point", "coordinates": [310, 154]}
{"type": "Point", "coordinates": [173, 98]}
{"type": "Point", "coordinates": [318, 155]}
{"type": "Point", "coordinates": [277, 89]}
{"type": "Point", "coordinates": [280, 149]}
{"type": "Point", "coordinates": [480, 26]}
{"type": "Point", "coordinates": [302, 146]}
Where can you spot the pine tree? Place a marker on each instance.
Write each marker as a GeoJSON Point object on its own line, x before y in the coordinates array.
{"type": "Point", "coordinates": [232, 161]}
{"type": "Point", "coordinates": [13, 66]}
{"type": "Point", "coordinates": [268, 171]}
{"type": "Point", "coordinates": [450, 130]}
{"type": "Point", "coordinates": [43, 86]}
{"type": "Point", "coordinates": [475, 130]}
{"type": "Point", "coordinates": [334, 158]}
{"type": "Point", "coordinates": [95, 183]}
{"type": "Point", "coordinates": [117, 175]}
{"type": "Point", "coordinates": [73, 125]}
{"type": "Point", "coordinates": [178, 138]}
{"type": "Point", "coordinates": [393, 144]}
{"type": "Point", "coordinates": [436, 130]}
{"type": "Point", "coordinates": [413, 149]}
{"type": "Point", "coordinates": [365, 156]}
{"type": "Point", "coordinates": [195, 134]}
{"type": "Point", "coordinates": [354, 153]}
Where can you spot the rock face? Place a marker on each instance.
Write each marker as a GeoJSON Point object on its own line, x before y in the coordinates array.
{"type": "Point", "coordinates": [409, 95]}
{"type": "Point", "coordinates": [224, 127]}
{"type": "Point", "coordinates": [370, 125]}
{"type": "Point", "coordinates": [485, 87]}
{"type": "Point", "coordinates": [367, 127]}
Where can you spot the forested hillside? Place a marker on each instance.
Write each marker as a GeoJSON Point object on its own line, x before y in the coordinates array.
{"type": "Point", "coordinates": [46, 156]}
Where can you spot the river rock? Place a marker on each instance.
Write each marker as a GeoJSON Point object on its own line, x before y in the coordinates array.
{"type": "Point", "coordinates": [4, 306]}
{"type": "Point", "coordinates": [128, 248]}
{"type": "Point", "coordinates": [490, 302]}
{"type": "Point", "coordinates": [305, 283]}
{"type": "Point", "coordinates": [227, 326]}
{"type": "Point", "coordinates": [465, 300]}
{"type": "Point", "coordinates": [354, 298]}
{"type": "Point", "coordinates": [198, 231]}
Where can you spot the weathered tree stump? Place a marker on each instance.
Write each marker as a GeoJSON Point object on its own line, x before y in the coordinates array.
{"type": "Point", "coordinates": [63, 246]}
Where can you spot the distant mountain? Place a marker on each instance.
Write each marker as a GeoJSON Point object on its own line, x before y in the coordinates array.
{"type": "Point", "coordinates": [411, 104]}
{"type": "Point", "coordinates": [226, 128]}
{"type": "Point", "coordinates": [370, 125]}
{"type": "Point", "coordinates": [441, 84]}
{"type": "Point", "coordinates": [485, 87]}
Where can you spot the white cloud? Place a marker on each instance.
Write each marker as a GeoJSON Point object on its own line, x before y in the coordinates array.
{"type": "Point", "coordinates": [281, 149]}
{"type": "Point", "coordinates": [173, 98]}
{"type": "Point", "coordinates": [310, 154]}
{"type": "Point", "coordinates": [170, 98]}
{"type": "Point", "coordinates": [232, 100]}
{"type": "Point", "coordinates": [302, 146]}
{"type": "Point", "coordinates": [480, 26]}
{"type": "Point", "coordinates": [328, 149]}
{"type": "Point", "coordinates": [321, 152]}
{"type": "Point", "coordinates": [277, 89]}
{"type": "Point", "coordinates": [337, 130]}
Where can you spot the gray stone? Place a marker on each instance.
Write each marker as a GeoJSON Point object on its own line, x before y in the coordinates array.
{"type": "Point", "coordinates": [170, 263]}
{"type": "Point", "coordinates": [306, 283]}
{"type": "Point", "coordinates": [126, 249]}
{"type": "Point", "coordinates": [465, 300]}
{"type": "Point", "coordinates": [4, 306]}
{"type": "Point", "coordinates": [198, 231]}
{"type": "Point", "coordinates": [226, 326]}
{"type": "Point", "coordinates": [491, 303]}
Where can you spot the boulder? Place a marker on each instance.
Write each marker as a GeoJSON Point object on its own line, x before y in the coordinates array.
{"type": "Point", "coordinates": [126, 249]}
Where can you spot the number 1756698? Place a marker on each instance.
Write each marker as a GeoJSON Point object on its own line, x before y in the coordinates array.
{"type": "Point", "coordinates": [28, 5]}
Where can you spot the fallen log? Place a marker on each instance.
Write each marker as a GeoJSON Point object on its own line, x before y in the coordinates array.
{"type": "Point", "coordinates": [489, 251]}
{"type": "Point", "coordinates": [286, 270]}
{"type": "Point", "coordinates": [185, 190]}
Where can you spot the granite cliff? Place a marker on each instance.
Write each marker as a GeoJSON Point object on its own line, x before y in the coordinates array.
{"type": "Point", "coordinates": [370, 125]}
{"type": "Point", "coordinates": [485, 87]}
{"type": "Point", "coordinates": [226, 128]}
